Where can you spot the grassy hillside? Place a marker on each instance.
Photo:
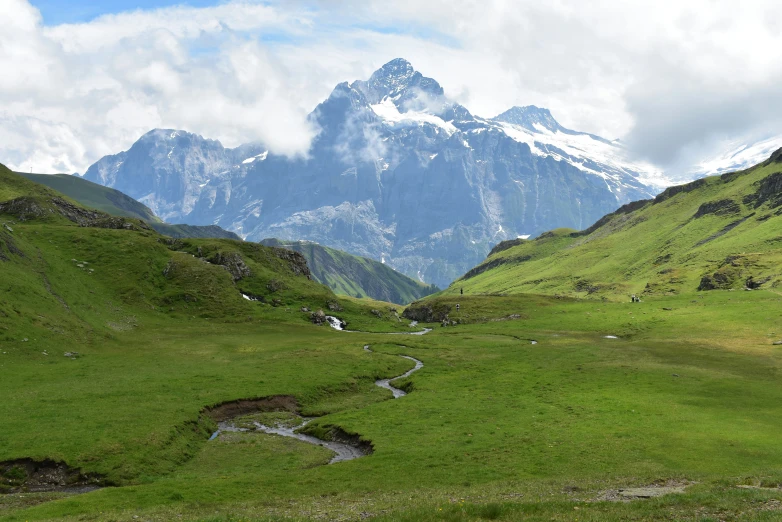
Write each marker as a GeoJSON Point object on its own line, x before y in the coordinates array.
{"type": "Point", "coordinates": [354, 275]}
{"type": "Point", "coordinates": [116, 203]}
{"type": "Point", "coordinates": [721, 232]}
{"type": "Point", "coordinates": [194, 231]}
{"type": "Point", "coordinates": [95, 196]}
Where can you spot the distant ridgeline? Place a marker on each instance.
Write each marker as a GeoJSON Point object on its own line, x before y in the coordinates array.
{"type": "Point", "coordinates": [721, 232]}
{"type": "Point", "coordinates": [118, 204]}
{"type": "Point", "coordinates": [354, 275]}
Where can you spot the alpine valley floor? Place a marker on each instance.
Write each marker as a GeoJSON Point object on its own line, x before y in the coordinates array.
{"type": "Point", "coordinates": [686, 397]}
{"type": "Point", "coordinates": [122, 351]}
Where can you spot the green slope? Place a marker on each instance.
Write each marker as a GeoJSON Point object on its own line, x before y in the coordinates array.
{"type": "Point", "coordinates": [95, 196]}
{"type": "Point", "coordinates": [119, 204]}
{"type": "Point", "coordinates": [182, 231]}
{"type": "Point", "coordinates": [354, 275]}
{"type": "Point", "coordinates": [718, 232]}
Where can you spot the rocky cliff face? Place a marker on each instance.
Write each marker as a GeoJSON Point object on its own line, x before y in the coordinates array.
{"type": "Point", "coordinates": [166, 170]}
{"type": "Point", "coordinates": [399, 173]}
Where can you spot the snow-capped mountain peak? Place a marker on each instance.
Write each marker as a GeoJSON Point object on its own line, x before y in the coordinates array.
{"type": "Point", "coordinates": [399, 81]}
{"type": "Point", "coordinates": [528, 117]}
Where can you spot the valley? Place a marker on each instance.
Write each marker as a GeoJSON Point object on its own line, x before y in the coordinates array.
{"type": "Point", "coordinates": [122, 351]}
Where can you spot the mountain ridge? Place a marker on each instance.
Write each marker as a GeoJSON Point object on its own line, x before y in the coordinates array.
{"type": "Point", "coordinates": [398, 172]}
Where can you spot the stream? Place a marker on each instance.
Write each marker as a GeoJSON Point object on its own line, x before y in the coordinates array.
{"type": "Point", "coordinates": [342, 451]}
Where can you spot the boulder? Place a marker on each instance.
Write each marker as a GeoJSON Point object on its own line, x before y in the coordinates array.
{"type": "Point", "coordinates": [232, 262]}
{"type": "Point", "coordinates": [318, 317]}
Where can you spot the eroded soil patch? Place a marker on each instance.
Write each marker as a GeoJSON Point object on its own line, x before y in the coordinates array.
{"type": "Point", "coordinates": [651, 491]}
{"type": "Point", "coordinates": [232, 409]}
{"type": "Point", "coordinates": [33, 476]}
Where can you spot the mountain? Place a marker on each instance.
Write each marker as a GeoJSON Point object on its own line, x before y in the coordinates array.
{"type": "Point", "coordinates": [720, 232]}
{"type": "Point", "coordinates": [356, 276]}
{"type": "Point", "coordinates": [166, 169]}
{"type": "Point", "coordinates": [116, 203]}
{"type": "Point", "coordinates": [398, 173]}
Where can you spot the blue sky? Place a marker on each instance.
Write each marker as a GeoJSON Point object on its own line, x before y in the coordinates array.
{"type": "Point", "coordinates": [56, 12]}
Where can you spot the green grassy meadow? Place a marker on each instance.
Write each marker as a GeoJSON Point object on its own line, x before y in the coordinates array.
{"type": "Point", "coordinates": [515, 429]}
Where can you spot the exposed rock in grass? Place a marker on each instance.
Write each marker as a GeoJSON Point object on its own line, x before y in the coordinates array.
{"type": "Point", "coordinates": [718, 208]}
{"type": "Point", "coordinates": [652, 491]}
{"type": "Point", "coordinates": [318, 317]}
{"type": "Point", "coordinates": [678, 189]}
{"type": "Point", "coordinates": [505, 245]}
{"type": "Point", "coordinates": [724, 231]}
{"type": "Point", "coordinates": [27, 208]}
{"type": "Point", "coordinates": [232, 262]}
{"type": "Point", "coordinates": [754, 284]}
{"type": "Point", "coordinates": [769, 190]}
{"type": "Point", "coordinates": [275, 285]}
{"type": "Point", "coordinates": [296, 261]}
{"type": "Point", "coordinates": [427, 313]}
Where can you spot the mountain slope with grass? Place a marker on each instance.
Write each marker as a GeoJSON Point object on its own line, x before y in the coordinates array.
{"type": "Point", "coordinates": [95, 196]}
{"type": "Point", "coordinates": [116, 203]}
{"type": "Point", "coordinates": [721, 232]}
{"type": "Point", "coordinates": [354, 275]}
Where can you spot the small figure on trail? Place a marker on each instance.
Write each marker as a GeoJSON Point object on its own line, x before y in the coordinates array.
{"type": "Point", "coordinates": [457, 307]}
{"type": "Point", "coordinates": [461, 291]}
{"type": "Point", "coordinates": [635, 299]}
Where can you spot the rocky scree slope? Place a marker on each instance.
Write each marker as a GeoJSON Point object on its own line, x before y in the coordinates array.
{"type": "Point", "coordinates": [721, 232]}
{"type": "Point", "coordinates": [399, 173]}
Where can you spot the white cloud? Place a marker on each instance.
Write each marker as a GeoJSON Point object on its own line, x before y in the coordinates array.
{"type": "Point", "coordinates": [674, 78]}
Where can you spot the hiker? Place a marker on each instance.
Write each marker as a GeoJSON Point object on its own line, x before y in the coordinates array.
{"type": "Point", "coordinates": [461, 291]}
{"type": "Point", "coordinates": [457, 307]}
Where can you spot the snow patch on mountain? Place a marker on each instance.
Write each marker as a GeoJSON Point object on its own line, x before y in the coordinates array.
{"type": "Point", "coordinates": [738, 156]}
{"type": "Point", "coordinates": [588, 153]}
{"type": "Point", "coordinates": [260, 157]}
{"type": "Point", "coordinates": [389, 114]}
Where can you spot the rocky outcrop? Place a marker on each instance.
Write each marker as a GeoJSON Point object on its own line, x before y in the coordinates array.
{"type": "Point", "coordinates": [233, 263]}
{"type": "Point", "coordinates": [28, 208]}
{"type": "Point", "coordinates": [296, 262]}
{"type": "Point", "coordinates": [427, 313]}
{"type": "Point", "coordinates": [678, 189]}
{"type": "Point", "coordinates": [8, 246]}
{"type": "Point", "coordinates": [718, 208]}
{"type": "Point", "coordinates": [505, 245]}
{"type": "Point", "coordinates": [769, 190]}
{"type": "Point", "coordinates": [318, 317]}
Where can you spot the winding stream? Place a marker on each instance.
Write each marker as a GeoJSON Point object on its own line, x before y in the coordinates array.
{"type": "Point", "coordinates": [342, 451]}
